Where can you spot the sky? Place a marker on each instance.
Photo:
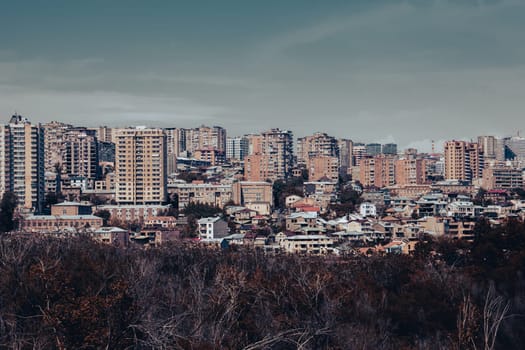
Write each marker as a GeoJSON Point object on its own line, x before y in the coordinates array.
{"type": "Point", "coordinates": [373, 71]}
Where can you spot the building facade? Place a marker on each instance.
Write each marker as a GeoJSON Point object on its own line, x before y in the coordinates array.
{"type": "Point", "coordinates": [24, 151]}
{"type": "Point", "coordinates": [140, 166]}
{"type": "Point", "coordinates": [275, 158]}
{"type": "Point", "coordinates": [463, 161]}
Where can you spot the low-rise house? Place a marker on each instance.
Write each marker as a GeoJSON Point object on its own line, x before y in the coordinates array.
{"type": "Point", "coordinates": [160, 222]}
{"type": "Point", "coordinates": [306, 244]}
{"type": "Point", "coordinates": [367, 209]}
{"type": "Point", "coordinates": [262, 208]}
{"type": "Point", "coordinates": [463, 209]}
{"type": "Point", "coordinates": [399, 247]}
{"type": "Point", "coordinates": [212, 228]}
{"type": "Point", "coordinates": [291, 199]}
{"type": "Point", "coordinates": [297, 221]}
{"type": "Point", "coordinates": [112, 235]}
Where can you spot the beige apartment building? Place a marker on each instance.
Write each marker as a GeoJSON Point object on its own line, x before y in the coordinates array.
{"type": "Point", "coordinates": [248, 192]}
{"type": "Point", "coordinates": [463, 161]}
{"type": "Point", "coordinates": [378, 171]}
{"type": "Point", "coordinates": [205, 137]}
{"type": "Point", "coordinates": [502, 178]}
{"type": "Point", "coordinates": [323, 167]}
{"type": "Point", "coordinates": [80, 154]}
{"type": "Point", "coordinates": [205, 193]}
{"type": "Point", "coordinates": [274, 160]}
{"type": "Point", "coordinates": [140, 166]}
{"type": "Point", "coordinates": [24, 162]}
{"type": "Point", "coordinates": [410, 171]}
{"type": "Point", "coordinates": [316, 145]}
{"type": "Point", "coordinates": [54, 144]}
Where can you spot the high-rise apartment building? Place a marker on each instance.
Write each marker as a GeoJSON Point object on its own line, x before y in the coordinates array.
{"type": "Point", "coordinates": [275, 159]}
{"type": "Point", "coordinates": [54, 144]}
{"type": "Point", "coordinates": [173, 147]}
{"type": "Point", "coordinates": [81, 154]}
{"type": "Point", "coordinates": [502, 177]}
{"type": "Point", "coordinates": [514, 148]}
{"type": "Point", "coordinates": [103, 133]}
{"type": "Point", "coordinates": [378, 171]}
{"type": "Point", "coordinates": [389, 148]}
{"type": "Point", "coordinates": [140, 165]}
{"type": "Point", "coordinates": [373, 149]}
{"type": "Point", "coordinates": [410, 171]}
{"type": "Point", "coordinates": [254, 144]}
{"type": "Point", "coordinates": [345, 154]}
{"type": "Point", "coordinates": [323, 167]}
{"type": "Point", "coordinates": [205, 137]}
{"type": "Point", "coordinates": [237, 147]}
{"type": "Point", "coordinates": [463, 161]}
{"type": "Point", "coordinates": [4, 152]}
{"type": "Point", "coordinates": [320, 154]}
{"type": "Point", "coordinates": [24, 168]}
{"type": "Point", "coordinates": [358, 153]}
{"type": "Point", "coordinates": [489, 146]}
{"type": "Point", "coordinates": [318, 144]}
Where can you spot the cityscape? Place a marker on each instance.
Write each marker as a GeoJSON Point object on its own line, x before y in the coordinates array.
{"type": "Point", "coordinates": [317, 194]}
{"type": "Point", "coordinates": [262, 175]}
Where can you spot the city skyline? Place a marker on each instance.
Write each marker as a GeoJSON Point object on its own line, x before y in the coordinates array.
{"type": "Point", "coordinates": [414, 68]}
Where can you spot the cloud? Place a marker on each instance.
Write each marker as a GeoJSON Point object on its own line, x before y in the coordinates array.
{"type": "Point", "coordinates": [103, 107]}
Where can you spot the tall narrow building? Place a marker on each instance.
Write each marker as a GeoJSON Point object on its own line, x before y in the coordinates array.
{"type": "Point", "coordinates": [237, 147]}
{"type": "Point", "coordinates": [173, 148]}
{"type": "Point", "coordinates": [275, 159]}
{"type": "Point", "coordinates": [378, 171]}
{"type": "Point", "coordinates": [205, 137]}
{"type": "Point", "coordinates": [24, 168]}
{"type": "Point", "coordinates": [54, 144]}
{"type": "Point", "coordinates": [3, 159]}
{"type": "Point", "coordinates": [316, 145]}
{"type": "Point", "coordinates": [463, 161]}
{"type": "Point", "coordinates": [140, 165]}
{"type": "Point", "coordinates": [81, 154]}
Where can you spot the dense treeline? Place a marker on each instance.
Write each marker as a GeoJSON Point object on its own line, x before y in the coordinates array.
{"type": "Point", "coordinates": [65, 294]}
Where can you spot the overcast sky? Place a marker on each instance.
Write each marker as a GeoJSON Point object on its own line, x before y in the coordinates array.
{"type": "Point", "coordinates": [401, 71]}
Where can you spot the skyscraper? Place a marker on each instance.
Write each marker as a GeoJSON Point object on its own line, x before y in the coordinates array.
{"type": "Point", "coordinates": [318, 144]}
{"type": "Point", "coordinates": [378, 171]}
{"type": "Point", "coordinates": [389, 148]}
{"type": "Point", "coordinates": [205, 137]}
{"type": "Point", "coordinates": [237, 147]}
{"type": "Point", "coordinates": [24, 152]}
{"type": "Point", "coordinates": [373, 149]}
{"type": "Point", "coordinates": [173, 148]}
{"type": "Point", "coordinates": [275, 159]}
{"type": "Point", "coordinates": [345, 154]}
{"type": "Point", "coordinates": [81, 154]}
{"type": "Point", "coordinates": [410, 171]}
{"type": "Point", "coordinates": [140, 165]}
{"type": "Point", "coordinates": [54, 144]}
{"type": "Point", "coordinates": [463, 161]}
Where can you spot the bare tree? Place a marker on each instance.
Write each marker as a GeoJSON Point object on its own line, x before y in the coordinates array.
{"type": "Point", "coordinates": [494, 312]}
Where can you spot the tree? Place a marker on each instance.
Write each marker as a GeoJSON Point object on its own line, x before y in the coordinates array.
{"type": "Point", "coordinates": [200, 210]}
{"type": "Point", "coordinates": [105, 215]}
{"type": "Point", "coordinates": [7, 209]}
{"type": "Point", "coordinates": [96, 200]}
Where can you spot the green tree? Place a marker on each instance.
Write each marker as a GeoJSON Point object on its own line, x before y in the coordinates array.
{"type": "Point", "coordinates": [7, 209]}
